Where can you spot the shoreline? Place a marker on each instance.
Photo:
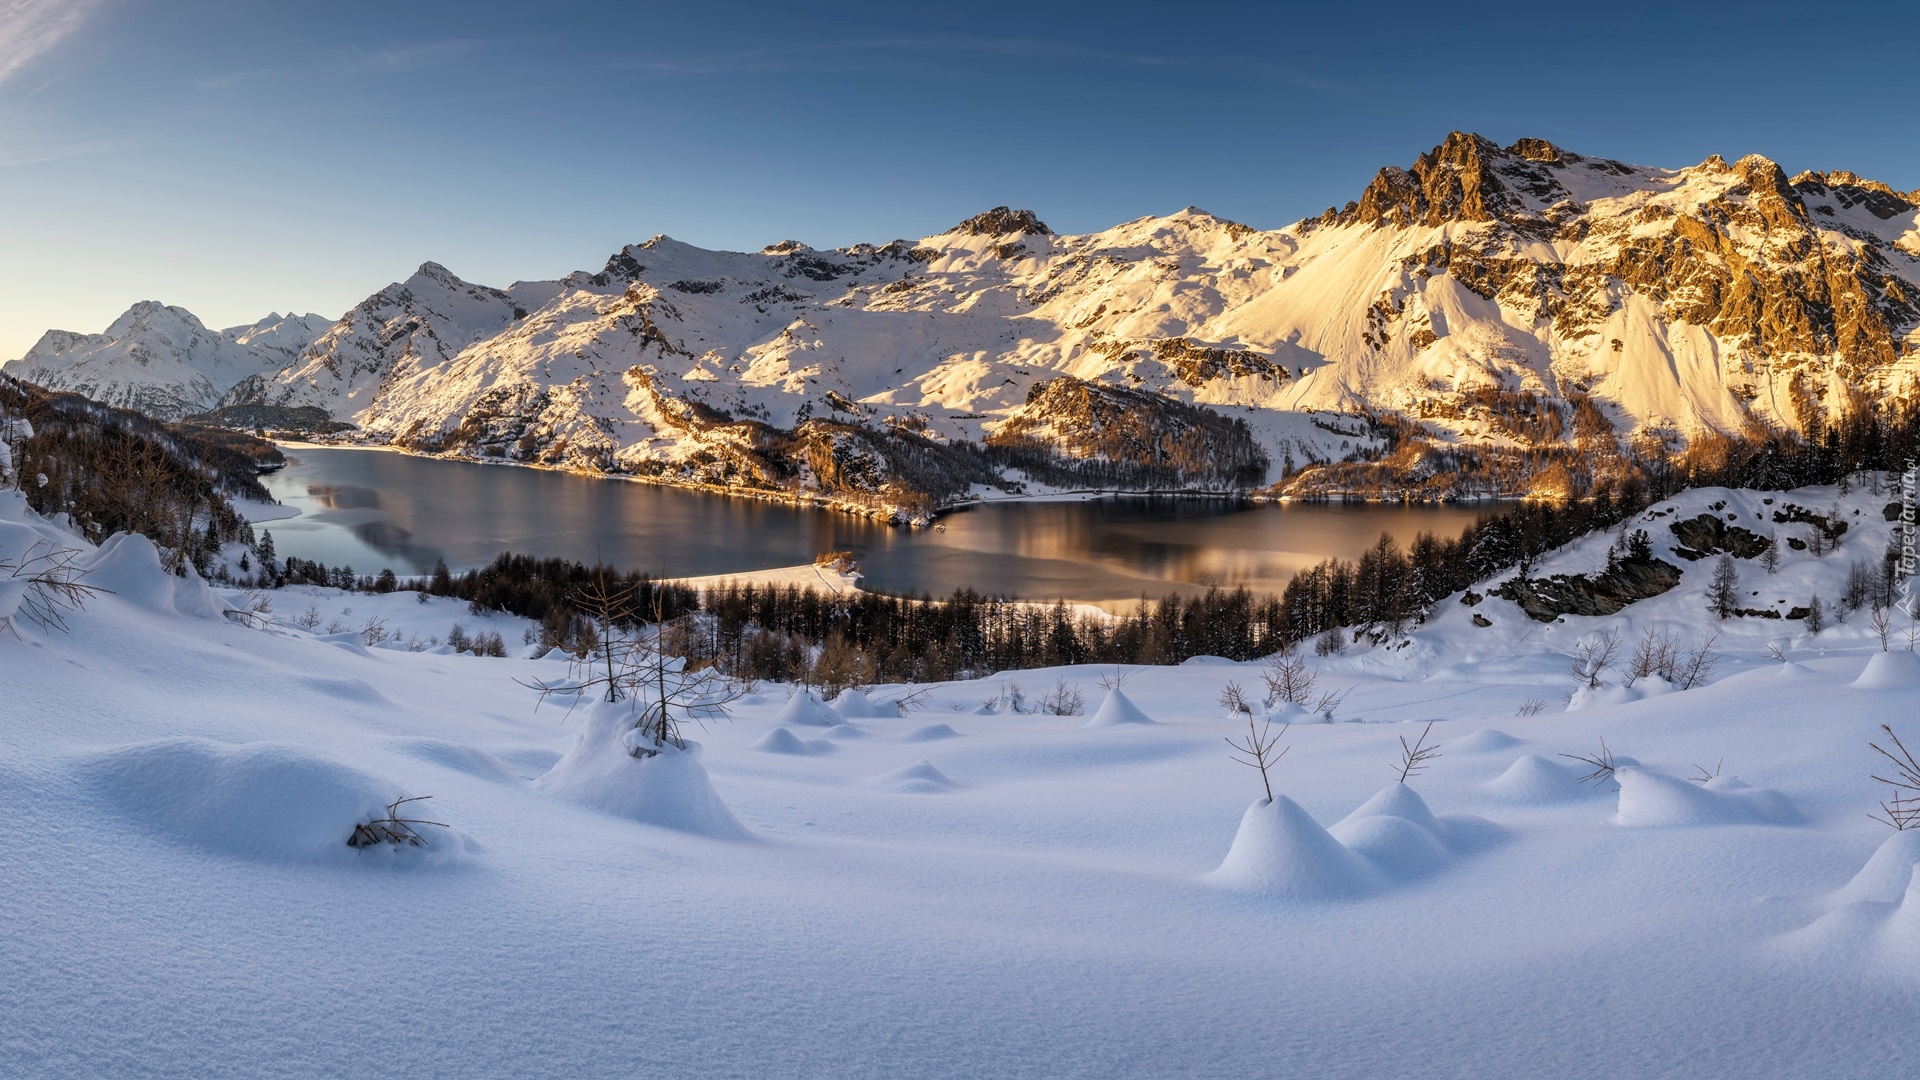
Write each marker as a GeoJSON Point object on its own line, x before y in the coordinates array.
{"type": "Point", "coordinates": [899, 516]}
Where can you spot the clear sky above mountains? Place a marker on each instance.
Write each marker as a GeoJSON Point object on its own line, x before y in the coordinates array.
{"type": "Point", "coordinates": [235, 157]}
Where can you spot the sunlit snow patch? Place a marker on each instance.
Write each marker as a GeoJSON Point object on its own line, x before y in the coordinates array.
{"type": "Point", "coordinates": [669, 789]}
{"type": "Point", "coordinates": [1654, 799]}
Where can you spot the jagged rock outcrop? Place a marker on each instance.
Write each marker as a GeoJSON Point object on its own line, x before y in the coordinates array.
{"type": "Point", "coordinates": [1546, 599]}
{"type": "Point", "coordinates": [1707, 534]}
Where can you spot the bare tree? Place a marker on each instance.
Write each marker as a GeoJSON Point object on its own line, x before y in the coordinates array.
{"type": "Point", "coordinates": [1288, 678]}
{"type": "Point", "coordinates": [1881, 622]}
{"type": "Point", "coordinates": [1654, 654]}
{"type": "Point", "coordinates": [1696, 665]}
{"type": "Point", "coordinates": [1902, 808]}
{"type": "Point", "coordinates": [1064, 699]}
{"type": "Point", "coordinates": [1415, 757]}
{"type": "Point", "coordinates": [1257, 751]}
{"type": "Point", "coordinates": [1234, 699]}
{"type": "Point", "coordinates": [1114, 679]}
{"type": "Point", "coordinates": [1594, 655]}
{"type": "Point", "coordinates": [1770, 558]}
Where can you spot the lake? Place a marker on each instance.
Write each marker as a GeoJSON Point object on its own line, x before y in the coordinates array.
{"type": "Point", "coordinates": [373, 508]}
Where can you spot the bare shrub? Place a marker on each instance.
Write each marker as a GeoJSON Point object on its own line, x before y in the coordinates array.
{"type": "Point", "coordinates": [51, 579]}
{"type": "Point", "coordinates": [1330, 642]}
{"type": "Point", "coordinates": [1288, 678]}
{"type": "Point", "coordinates": [1114, 679]}
{"type": "Point", "coordinates": [337, 626]}
{"type": "Point", "coordinates": [375, 632]}
{"type": "Point", "coordinates": [1234, 699]}
{"type": "Point", "coordinates": [1703, 775]}
{"type": "Point", "coordinates": [1530, 707]}
{"type": "Point", "coordinates": [1593, 656]}
{"type": "Point", "coordinates": [392, 829]}
{"type": "Point", "coordinates": [1601, 762]}
{"type": "Point", "coordinates": [1881, 623]}
{"type": "Point", "coordinates": [309, 619]}
{"type": "Point", "coordinates": [1063, 700]}
{"type": "Point", "coordinates": [1654, 654]}
{"type": "Point", "coordinates": [1696, 664]}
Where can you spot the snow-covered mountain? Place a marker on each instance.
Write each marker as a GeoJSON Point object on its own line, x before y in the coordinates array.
{"type": "Point", "coordinates": [163, 361]}
{"type": "Point", "coordinates": [1505, 298]}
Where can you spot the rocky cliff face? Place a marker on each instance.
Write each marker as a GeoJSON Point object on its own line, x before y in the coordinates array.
{"type": "Point", "coordinates": [1497, 300]}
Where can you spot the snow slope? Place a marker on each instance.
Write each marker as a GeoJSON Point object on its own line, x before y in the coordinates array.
{"type": "Point", "coordinates": [1022, 897]}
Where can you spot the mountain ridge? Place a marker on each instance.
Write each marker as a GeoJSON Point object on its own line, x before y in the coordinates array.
{"type": "Point", "coordinates": [1522, 303]}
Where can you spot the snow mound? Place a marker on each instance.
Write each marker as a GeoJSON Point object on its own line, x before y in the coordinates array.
{"type": "Point", "coordinates": [1484, 741]}
{"type": "Point", "coordinates": [782, 741]}
{"type": "Point", "coordinates": [1534, 781]}
{"type": "Point", "coordinates": [1280, 851]}
{"type": "Point", "coordinates": [843, 732]}
{"type": "Point", "coordinates": [931, 733]}
{"type": "Point", "coordinates": [1397, 846]}
{"type": "Point", "coordinates": [1395, 800]}
{"type": "Point", "coordinates": [917, 779]}
{"type": "Point", "coordinates": [855, 705]}
{"type": "Point", "coordinates": [128, 565]}
{"type": "Point", "coordinates": [354, 690]}
{"type": "Point", "coordinates": [1116, 709]}
{"type": "Point", "coordinates": [1885, 877]}
{"type": "Point", "coordinates": [461, 759]}
{"type": "Point", "coordinates": [1652, 799]}
{"type": "Point", "coordinates": [1890, 671]}
{"type": "Point", "coordinates": [805, 709]}
{"type": "Point", "coordinates": [669, 789]}
{"type": "Point", "coordinates": [265, 801]}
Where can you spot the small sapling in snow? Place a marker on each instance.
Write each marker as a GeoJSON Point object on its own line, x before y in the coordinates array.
{"type": "Point", "coordinates": [1258, 751]}
{"type": "Point", "coordinates": [1601, 761]}
{"type": "Point", "coordinates": [1902, 809]}
{"type": "Point", "coordinates": [1415, 757]}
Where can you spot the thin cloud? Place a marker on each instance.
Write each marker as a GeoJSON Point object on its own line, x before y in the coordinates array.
{"type": "Point", "coordinates": [29, 28]}
{"type": "Point", "coordinates": [829, 54]}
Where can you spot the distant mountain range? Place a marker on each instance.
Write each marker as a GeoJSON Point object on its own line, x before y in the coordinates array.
{"type": "Point", "coordinates": [1514, 300]}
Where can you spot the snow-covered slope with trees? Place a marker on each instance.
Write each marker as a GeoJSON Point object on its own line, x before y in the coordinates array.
{"type": "Point", "coordinates": [162, 361]}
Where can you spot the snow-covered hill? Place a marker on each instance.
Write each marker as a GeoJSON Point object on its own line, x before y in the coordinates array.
{"type": "Point", "coordinates": [162, 361]}
{"type": "Point", "coordinates": [967, 890]}
{"type": "Point", "coordinates": [1511, 297]}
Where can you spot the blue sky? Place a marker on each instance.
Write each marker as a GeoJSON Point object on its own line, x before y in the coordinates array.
{"type": "Point", "coordinates": [235, 157]}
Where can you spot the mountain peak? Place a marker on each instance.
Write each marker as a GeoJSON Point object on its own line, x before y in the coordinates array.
{"type": "Point", "coordinates": [1000, 221]}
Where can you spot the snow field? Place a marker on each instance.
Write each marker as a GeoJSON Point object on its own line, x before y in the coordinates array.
{"type": "Point", "coordinates": [944, 893]}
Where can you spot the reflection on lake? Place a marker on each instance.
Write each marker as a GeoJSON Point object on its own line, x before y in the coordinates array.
{"type": "Point", "coordinates": [370, 508]}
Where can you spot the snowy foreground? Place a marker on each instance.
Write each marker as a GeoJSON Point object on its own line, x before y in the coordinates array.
{"type": "Point", "coordinates": [953, 892]}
